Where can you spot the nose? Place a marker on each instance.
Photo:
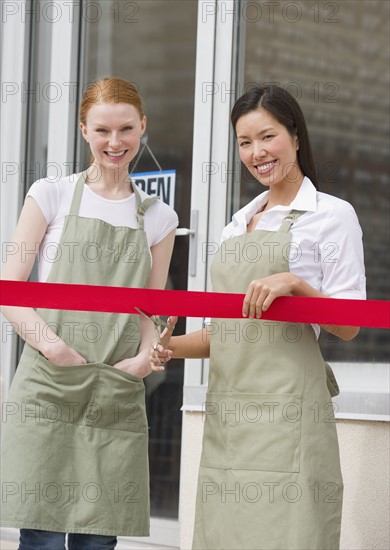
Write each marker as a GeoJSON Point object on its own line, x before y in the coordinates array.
{"type": "Point", "coordinates": [258, 149]}
{"type": "Point", "coordinates": [114, 139]}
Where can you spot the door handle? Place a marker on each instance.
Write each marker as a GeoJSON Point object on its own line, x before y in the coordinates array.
{"type": "Point", "coordinates": [192, 232]}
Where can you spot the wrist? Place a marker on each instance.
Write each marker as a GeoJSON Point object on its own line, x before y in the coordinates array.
{"type": "Point", "coordinates": [294, 284]}
{"type": "Point", "coordinates": [51, 349]}
{"type": "Point", "coordinates": [171, 346]}
{"type": "Point", "coordinates": [137, 366]}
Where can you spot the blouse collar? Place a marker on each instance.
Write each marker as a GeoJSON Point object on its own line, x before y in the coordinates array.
{"type": "Point", "coordinates": [306, 200]}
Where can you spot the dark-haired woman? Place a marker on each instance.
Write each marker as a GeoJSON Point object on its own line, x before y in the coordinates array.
{"type": "Point", "coordinates": [270, 472]}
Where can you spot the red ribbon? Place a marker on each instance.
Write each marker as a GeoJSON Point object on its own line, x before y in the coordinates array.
{"type": "Point", "coordinates": [184, 303]}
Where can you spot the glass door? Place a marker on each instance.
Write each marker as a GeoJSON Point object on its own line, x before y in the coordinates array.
{"type": "Point", "coordinates": [153, 44]}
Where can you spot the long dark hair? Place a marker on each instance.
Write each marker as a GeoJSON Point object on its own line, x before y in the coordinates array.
{"type": "Point", "coordinates": [284, 107]}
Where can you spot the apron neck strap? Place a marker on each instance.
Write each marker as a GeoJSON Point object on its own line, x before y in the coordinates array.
{"type": "Point", "coordinates": [288, 221]}
{"type": "Point", "coordinates": [141, 206]}
{"type": "Point", "coordinates": [78, 193]}
{"type": "Point", "coordinates": [136, 193]}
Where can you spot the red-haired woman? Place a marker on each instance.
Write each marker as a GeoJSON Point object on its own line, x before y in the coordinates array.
{"type": "Point", "coordinates": [75, 460]}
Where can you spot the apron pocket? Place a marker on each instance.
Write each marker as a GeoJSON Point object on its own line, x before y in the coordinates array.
{"type": "Point", "coordinates": [121, 397]}
{"type": "Point", "coordinates": [264, 431]}
{"type": "Point", "coordinates": [252, 431]}
{"type": "Point", "coordinates": [61, 393]}
{"type": "Point", "coordinates": [94, 395]}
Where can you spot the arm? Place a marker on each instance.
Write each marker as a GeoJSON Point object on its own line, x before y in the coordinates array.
{"type": "Point", "coordinates": [340, 259]}
{"type": "Point", "coordinates": [28, 324]}
{"type": "Point", "coordinates": [260, 295]}
{"type": "Point", "coordinates": [161, 258]}
{"type": "Point", "coordinates": [301, 288]}
{"type": "Point", "coordinates": [262, 292]}
{"type": "Point", "coordinates": [195, 345]}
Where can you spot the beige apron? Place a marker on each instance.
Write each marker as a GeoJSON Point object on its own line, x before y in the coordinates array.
{"type": "Point", "coordinates": [270, 474]}
{"type": "Point", "coordinates": [76, 448]}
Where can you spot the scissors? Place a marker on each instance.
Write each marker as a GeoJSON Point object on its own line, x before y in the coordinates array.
{"type": "Point", "coordinates": [158, 324]}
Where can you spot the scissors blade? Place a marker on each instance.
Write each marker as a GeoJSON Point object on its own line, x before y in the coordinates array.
{"type": "Point", "coordinates": [158, 323]}
{"type": "Point", "coordinates": [144, 313]}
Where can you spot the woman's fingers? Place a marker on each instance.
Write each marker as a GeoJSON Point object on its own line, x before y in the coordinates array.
{"type": "Point", "coordinates": [167, 333]}
{"type": "Point", "coordinates": [262, 292]}
{"type": "Point", "coordinates": [257, 299]}
{"type": "Point", "coordinates": [247, 301]}
{"type": "Point", "coordinates": [159, 356]}
{"type": "Point", "coordinates": [160, 353]}
{"type": "Point", "coordinates": [269, 299]}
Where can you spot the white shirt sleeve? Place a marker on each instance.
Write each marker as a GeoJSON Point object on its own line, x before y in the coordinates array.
{"type": "Point", "coordinates": [165, 220]}
{"type": "Point", "coordinates": [46, 194]}
{"type": "Point", "coordinates": [340, 251]}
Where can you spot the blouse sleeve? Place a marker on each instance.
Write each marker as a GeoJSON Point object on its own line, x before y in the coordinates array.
{"type": "Point", "coordinates": [46, 194]}
{"type": "Point", "coordinates": [341, 255]}
{"type": "Point", "coordinates": [165, 219]}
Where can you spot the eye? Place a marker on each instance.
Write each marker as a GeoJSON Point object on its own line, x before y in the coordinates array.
{"type": "Point", "coordinates": [127, 128]}
{"type": "Point", "coordinates": [268, 136]}
{"type": "Point", "coordinates": [244, 143]}
{"type": "Point", "coordinates": [101, 130]}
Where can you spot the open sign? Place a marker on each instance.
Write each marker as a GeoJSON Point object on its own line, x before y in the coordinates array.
{"type": "Point", "coordinates": [161, 184]}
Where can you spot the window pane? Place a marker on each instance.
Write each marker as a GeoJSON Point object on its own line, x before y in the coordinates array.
{"type": "Point", "coordinates": [333, 58]}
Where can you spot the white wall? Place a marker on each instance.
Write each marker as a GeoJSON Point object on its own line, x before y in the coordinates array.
{"type": "Point", "coordinates": [365, 463]}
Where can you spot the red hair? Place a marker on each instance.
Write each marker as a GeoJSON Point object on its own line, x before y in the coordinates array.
{"type": "Point", "coordinates": [110, 90]}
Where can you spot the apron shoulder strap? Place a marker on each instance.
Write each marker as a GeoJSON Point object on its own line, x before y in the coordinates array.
{"type": "Point", "coordinates": [78, 193]}
{"type": "Point", "coordinates": [291, 218]}
{"type": "Point", "coordinates": [142, 206]}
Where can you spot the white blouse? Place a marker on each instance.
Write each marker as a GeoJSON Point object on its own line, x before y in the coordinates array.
{"type": "Point", "coordinates": [326, 243]}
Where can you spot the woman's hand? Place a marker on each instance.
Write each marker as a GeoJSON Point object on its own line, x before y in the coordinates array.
{"type": "Point", "coordinates": [262, 292]}
{"type": "Point", "coordinates": [159, 354]}
{"type": "Point", "coordinates": [143, 364]}
{"type": "Point", "coordinates": [138, 366]}
{"type": "Point", "coordinates": [59, 353]}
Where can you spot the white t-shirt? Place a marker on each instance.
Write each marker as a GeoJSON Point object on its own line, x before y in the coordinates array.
{"type": "Point", "coordinates": [54, 198]}
{"type": "Point", "coordinates": [326, 241]}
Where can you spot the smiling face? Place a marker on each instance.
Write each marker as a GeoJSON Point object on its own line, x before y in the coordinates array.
{"type": "Point", "coordinates": [267, 149]}
{"type": "Point", "coordinates": [113, 131]}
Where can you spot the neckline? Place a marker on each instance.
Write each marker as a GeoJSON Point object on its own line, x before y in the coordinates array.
{"type": "Point", "coordinates": [105, 199]}
{"type": "Point", "coordinates": [80, 187]}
